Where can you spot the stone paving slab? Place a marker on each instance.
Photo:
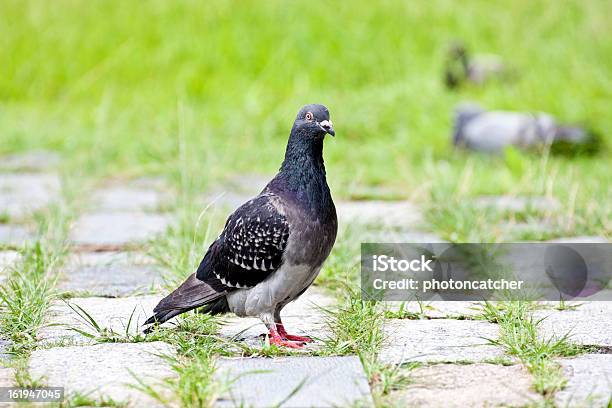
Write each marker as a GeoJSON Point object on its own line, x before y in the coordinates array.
{"type": "Point", "coordinates": [4, 350]}
{"type": "Point", "coordinates": [302, 317]}
{"type": "Point", "coordinates": [6, 377]}
{"type": "Point", "coordinates": [117, 229]}
{"type": "Point", "coordinates": [319, 381]}
{"type": "Point", "coordinates": [33, 160]}
{"type": "Point", "coordinates": [418, 237]}
{"type": "Point", "coordinates": [509, 230]}
{"type": "Point", "coordinates": [590, 323]}
{"type": "Point", "coordinates": [110, 257]}
{"type": "Point", "coordinates": [14, 236]}
{"type": "Point", "coordinates": [382, 214]}
{"type": "Point", "coordinates": [23, 193]}
{"type": "Point", "coordinates": [7, 260]}
{"type": "Point", "coordinates": [109, 313]}
{"type": "Point", "coordinates": [110, 274]}
{"type": "Point", "coordinates": [474, 385]}
{"type": "Point", "coordinates": [125, 198]}
{"type": "Point", "coordinates": [103, 370]}
{"type": "Point", "coordinates": [438, 309]}
{"type": "Point", "coordinates": [517, 203]}
{"type": "Point", "coordinates": [589, 239]}
{"type": "Point", "coordinates": [589, 381]}
{"type": "Point", "coordinates": [438, 340]}
{"type": "Point", "coordinates": [149, 182]}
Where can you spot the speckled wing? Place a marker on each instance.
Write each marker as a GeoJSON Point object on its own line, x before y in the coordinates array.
{"type": "Point", "coordinates": [249, 249]}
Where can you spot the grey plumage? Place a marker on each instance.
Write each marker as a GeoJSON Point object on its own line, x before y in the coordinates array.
{"type": "Point", "coordinates": [492, 131]}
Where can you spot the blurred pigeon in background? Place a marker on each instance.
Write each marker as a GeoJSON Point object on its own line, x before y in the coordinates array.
{"type": "Point", "coordinates": [492, 131]}
{"type": "Point", "coordinates": [462, 67]}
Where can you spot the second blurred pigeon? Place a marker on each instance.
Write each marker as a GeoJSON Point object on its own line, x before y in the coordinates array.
{"type": "Point", "coordinates": [492, 131]}
{"type": "Point", "coordinates": [462, 67]}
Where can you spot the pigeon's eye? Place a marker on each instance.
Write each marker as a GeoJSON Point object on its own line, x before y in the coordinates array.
{"type": "Point", "coordinates": [309, 116]}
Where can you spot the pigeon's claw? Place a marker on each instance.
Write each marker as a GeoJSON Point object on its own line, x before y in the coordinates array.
{"type": "Point", "coordinates": [301, 339]}
{"type": "Point", "coordinates": [283, 333]}
{"type": "Point", "coordinates": [278, 340]}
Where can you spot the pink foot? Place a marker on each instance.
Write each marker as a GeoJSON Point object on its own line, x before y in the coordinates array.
{"type": "Point", "coordinates": [276, 339]}
{"type": "Point", "coordinates": [283, 333]}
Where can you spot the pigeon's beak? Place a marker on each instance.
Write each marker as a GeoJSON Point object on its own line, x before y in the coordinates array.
{"type": "Point", "coordinates": [328, 127]}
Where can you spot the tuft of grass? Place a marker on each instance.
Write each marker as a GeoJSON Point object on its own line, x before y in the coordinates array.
{"type": "Point", "coordinates": [271, 350]}
{"type": "Point", "coordinates": [563, 305]}
{"type": "Point", "coordinates": [29, 289]}
{"type": "Point", "coordinates": [503, 361]}
{"type": "Point", "coordinates": [519, 337]}
{"type": "Point", "coordinates": [196, 385]}
{"type": "Point", "coordinates": [403, 313]}
{"type": "Point", "coordinates": [197, 346]}
{"type": "Point", "coordinates": [25, 296]}
{"type": "Point", "coordinates": [195, 338]}
{"type": "Point", "coordinates": [385, 379]}
{"type": "Point", "coordinates": [5, 218]}
{"type": "Point", "coordinates": [356, 327]}
{"type": "Point", "coordinates": [105, 334]}
{"type": "Point", "coordinates": [78, 399]}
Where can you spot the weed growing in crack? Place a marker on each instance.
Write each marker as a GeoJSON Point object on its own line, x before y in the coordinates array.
{"type": "Point", "coordinates": [25, 296]}
{"type": "Point", "coordinates": [403, 313]}
{"type": "Point", "coordinates": [78, 399]}
{"type": "Point", "coordinates": [519, 337]}
{"type": "Point", "coordinates": [356, 327]}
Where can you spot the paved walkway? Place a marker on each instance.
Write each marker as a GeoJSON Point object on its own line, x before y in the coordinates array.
{"type": "Point", "coordinates": [109, 275]}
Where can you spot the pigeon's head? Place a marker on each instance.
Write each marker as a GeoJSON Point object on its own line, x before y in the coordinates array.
{"type": "Point", "coordinates": [313, 120]}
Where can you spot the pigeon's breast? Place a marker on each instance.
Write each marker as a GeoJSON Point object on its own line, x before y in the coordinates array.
{"type": "Point", "coordinates": [311, 234]}
{"type": "Point", "coordinates": [309, 244]}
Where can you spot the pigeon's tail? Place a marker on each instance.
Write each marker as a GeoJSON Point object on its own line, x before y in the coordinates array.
{"type": "Point", "coordinates": [191, 294]}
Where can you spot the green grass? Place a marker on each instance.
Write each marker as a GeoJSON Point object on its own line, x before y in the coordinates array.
{"type": "Point", "coordinates": [29, 288]}
{"type": "Point", "coordinates": [86, 400]}
{"type": "Point", "coordinates": [356, 329]}
{"type": "Point", "coordinates": [4, 217]}
{"type": "Point", "coordinates": [198, 91]}
{"type": "Point", "coordinates": [30, 285]}
{"type": "Point", "coordinates": [197, 347]}
{"type": "Point", "coordinates": [402, 312]}
{"type": "Point", "coordinates": [206, 87]}
{"type": "Point", "coordinates": [519, 337]}
{"type": "Point", "coordinates": [195, 339]}
{"type": "Point", "coordinates": [25, 298]}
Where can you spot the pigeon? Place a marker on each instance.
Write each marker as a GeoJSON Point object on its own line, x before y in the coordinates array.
{"type": "Point", "coordinates": [493, 131]}
{"type": "Point", "coordinates": [273, 246]}
{"type": "Point", "coordinates": [462, 67]}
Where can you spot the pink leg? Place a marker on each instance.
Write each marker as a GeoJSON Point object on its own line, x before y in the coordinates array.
{"type": "Point", "coordinates": [283, 333]}
{"type": "Point", "coordinates": [281, 341]}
